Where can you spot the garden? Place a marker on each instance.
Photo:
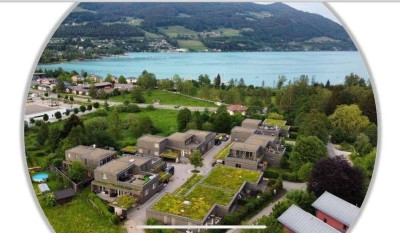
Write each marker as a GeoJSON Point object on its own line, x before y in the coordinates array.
{"type": "Point", "coordinates": [215, 189]}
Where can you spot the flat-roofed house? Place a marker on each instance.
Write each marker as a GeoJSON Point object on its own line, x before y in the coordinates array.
{"type": "Point", "coordinates": [335, 211]}
{"type": "Point", "coordinates": [151, 145]}
{"type": "Point", "coordinates": [243, 155]}
{"type": "Point", "coordinates": [191, 141]}
{"type": "Point", "coordinates": [296, 220]}
{"type": "Point", "coordinates": [251, 123]}
{"type": "Point", "coordinates": [240, 134]}
{"type": "Point", "coordinates": [89, 156]}
{"type": "Point", "coordinates": [127, 175]}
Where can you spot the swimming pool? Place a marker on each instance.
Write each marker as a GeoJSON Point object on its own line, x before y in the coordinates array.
{"type": "Point", "coordinates": [40, 177]}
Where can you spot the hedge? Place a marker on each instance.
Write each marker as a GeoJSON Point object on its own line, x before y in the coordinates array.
{"type": "Point", "coordinates": [290, 177]}
{"type": "Point", "coordinates": [253, 206]}
{"type": "Point", "coordinates": [271, 174]}
{"type": "Point", "coordinates": [104, 209]}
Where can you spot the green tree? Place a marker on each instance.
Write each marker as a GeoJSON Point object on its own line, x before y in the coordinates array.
{"type": "Point", "coordinates": [75, 137]}
{"type": "Point", "coordinates": [316, 124]}
{"type": "Point", "coordinates": [106, 105]}
{"type": "Point", "coordinates": [49, 200]}
{"type": "Point", "coordinates": [274, 115]}
{"type": "Point", "coordinates": [45, 117]}
{"type": "Point", "coordinates": [147, 80]}
{"type": "Point", "coordinates": [217, 81]}
{"type": "Point", "coordinates": [42, 134]}
{"type": "Point", "coordinates": [115, 125]}
{"type": "Point", "coordinates": [54, 137]}
{"type": "Point", "coordinates": [137, 95]}
{"type": "Point", "coordinates": [89, 107]}
{"type": "Point", "coordinates": [207, 126]}
{"type": "Point", "coordinates": [76, 110]}
{"type": "Point", "coordinates": [71, 122]}
{"type": "Point", "coordinates": [109, 78]}
{"type": "Point", "coordinates": [60, 86]}
{"type": "Point", "coordinates": [366, 163]}
{"type": "Point", "coordinates": [92, 91]}
{"type": "Point", "coordinates": [223, 121]}
{"type": "Point", "coordinates": [58, 115]}
{"type": "Point", "coordinates": [349, 121]}
{"type": "Point", "coordinates": [77, 172]}
{"type": "Point", "coordinates": [362, 144]}
{"type": "Point", "coordinates": [308, 149]}
{"type": "Point", "coordinates": [337, 176]}
{"type": "Point", "coordinates": [184, 117]}
{"type": "Point", "coordinates": [304, 172]}
{"type": "Point", "coordinates": [82, 108]}
{"type": "Point", "coordinates": [122, 80]}
{"type": "Point", "coordinates": [71, 98]}
{"type": "Point", "coordinates": [196, 159]}
{"type": "Point", "coordinates": [302, 199]}
{"type": "Point", "coordinates": [96, 105]}
{"type": "Point", "coordinates": [141, 125]}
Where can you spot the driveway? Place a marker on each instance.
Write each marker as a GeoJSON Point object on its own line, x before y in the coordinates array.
{"type": "Point", "coordinates": [137, 216]}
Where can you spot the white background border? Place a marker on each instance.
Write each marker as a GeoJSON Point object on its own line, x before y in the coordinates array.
{"type": "Point", "coordinates": [24, 27]}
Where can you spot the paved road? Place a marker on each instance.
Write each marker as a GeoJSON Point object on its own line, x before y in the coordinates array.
{"type": "Point", "coordinates": [137, 216]}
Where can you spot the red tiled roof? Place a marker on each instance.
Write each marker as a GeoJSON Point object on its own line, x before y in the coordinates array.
{"type": "Point", "coordinates": [237, 107]}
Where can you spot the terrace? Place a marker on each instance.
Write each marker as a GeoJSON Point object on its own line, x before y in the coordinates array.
{"type": "Point", "coordinates": [273, 122]}
{"type": "Point", "coordinates": [219, 187]}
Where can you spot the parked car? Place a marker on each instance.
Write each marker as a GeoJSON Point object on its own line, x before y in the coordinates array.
{"type": "Point", "coordinates": [170, 169]}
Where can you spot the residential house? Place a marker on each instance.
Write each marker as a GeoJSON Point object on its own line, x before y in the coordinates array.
{"type": "Point", "coordinates": [128, 175]}
{"type": "Point", "coordinates": [176, 146]}
{"type": "Point", "coordinates": [232, 109]}
{"type": "Point", "coordinates": [77, 79]}
{"type": "Point", "coordinates": [38, 75]}
{"type": "Point", "coordinates": [89, 156]}
{"type": "Point", "coordinates": [44, 87]}
{"type": "Point", "coordinates": [131, 80]}
{"type": "Point", "coordinates": [335, 211]}
{"type": "Point", "coordinates": [85, 89]}
{"type": "Point", "coordinates": [296, 220]}
{"type": "Point", "coordinates": [123, 87]}
{"type": "Point", "coordinates": [254, 146]}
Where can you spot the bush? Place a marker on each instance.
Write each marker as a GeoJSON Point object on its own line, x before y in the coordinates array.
{"type": "Point", "coordinates": [57, 162]}
{"type": "Point", "coordinates": [271, 174]}
{"type": "Point", "coordinates": [49, 200]}
{"type": "Point", "coordinates": [290, 177]}
{"type": "Point", "coordinates": [304, 172]}
{"type": "Point", "coordinates": [100, 113]}
{"type": "Point", "coordinates": [96, 105]}
{"type": "Point", "coordinates": [150, 107]}
{"type": "Point", "coordinates": [104, 209]}
{"type": "Point", "coordinates": [130, 108]}
{"type": "Point", "coordinates": [293, 135]}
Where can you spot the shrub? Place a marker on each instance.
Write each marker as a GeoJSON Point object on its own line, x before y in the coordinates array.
{"type": "Point", "coordinates": [101, 113]}
{"type": "Point", "coordinates": [96, 105]}
{"type": "Point", "coordinates": [271, 174]}
{"type": "Point", "coordinates": [305, 171]}
{"type": "Point", "coordinates": [150, 107]}
{"type": "Point", "coordinates": [76, 110]}
{"type": "Point", "coordinates": [293, 135]}
{"type": "Point", "coordinates": [104, 209]}
{"type": "Point", "coordinates": [49, 200]}
{"type": "Point", "coordinates": [57, 162]}
{"type": "Point", "coordinates": [290, 177]}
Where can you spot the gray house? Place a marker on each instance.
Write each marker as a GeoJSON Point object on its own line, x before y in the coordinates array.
{"type": "Point", "coordinates": [240, 134]}
{"type": "Point", "coordinates": [176, 146]}
{"type": "Point", "coordinates": [89, 156]}
{"type": "Point", "coordinates": [151, 145]}
{"type": "Point", "coordinates": [128, 175]}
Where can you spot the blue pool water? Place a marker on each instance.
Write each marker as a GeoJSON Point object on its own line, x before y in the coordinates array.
{"type": "Point", "coordinates": [40, 177]}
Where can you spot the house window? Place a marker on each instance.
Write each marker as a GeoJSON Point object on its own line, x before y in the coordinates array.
{"type": "Point", "coordinates": [238, 165]}
{"type": "Point", "coordinates": [156, 145]}
{"type": "Point", "coordinates": [104, 176]}
{"type": "Point", "coordinates": [344, 227]}
{"type": "Point", "coordinates": [146, 192]}
{"type": "Point", "coordinates": [325, 220]}
{"type": "Point", "coordinates": [69, 155]}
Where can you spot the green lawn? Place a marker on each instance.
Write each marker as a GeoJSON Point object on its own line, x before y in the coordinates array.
{"type": "Point", "coordinates": [79, 216]}
{"type": "Point", "coordinates": [194, 179]}
{"type": "Point", "coordinates": [174, 31]}
{"type": "Point", "coordinates": [195, 45]}
{"type": "Point", "coordinates": [218, 187]}
{"type": "Point", "coordinates": [224, 152]}
{"type": "Point", "coordinates": [167, 98]}
{"type": "Point", "coordinates": [228, 32]}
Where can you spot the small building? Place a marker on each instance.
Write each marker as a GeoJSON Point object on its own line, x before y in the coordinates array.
{"type": "Point", "coordinates": [296, 220]}
{"type": "Point", "coordinates": [44, 87]}
{"type": "Point", "coordinates": [90, 156]}
{"type": "Point", "coordinates": [64, 195]}
{"type": "Point", "coordinates": [43, 188]}
{"type": "Point", "coordinates": [37, 111]}
{"type": "Point", "coordinates": [335, 211]}
{"type": "Point", "coordinates": [128, 175]}
{"type": "Point", "coordinates": [251, 123]}
{"type": "Point", "coordinates": [232, 109]}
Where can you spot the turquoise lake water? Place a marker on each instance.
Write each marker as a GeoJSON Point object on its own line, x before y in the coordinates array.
{"type": "Point", "coordinates": [253, 67]}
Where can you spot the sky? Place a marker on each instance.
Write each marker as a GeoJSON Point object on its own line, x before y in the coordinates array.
{"type": "Point", "coordinates": [312, 7]}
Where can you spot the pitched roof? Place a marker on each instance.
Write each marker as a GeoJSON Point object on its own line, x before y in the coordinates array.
{"type": "Point", "coordinates": [237, 107]}
{"type": "Point", "coordinates": [337, 208]}
{"type": "Point", "coordinates": [301, 221]}
{"type": "Point", "coordinates": [64, 193]}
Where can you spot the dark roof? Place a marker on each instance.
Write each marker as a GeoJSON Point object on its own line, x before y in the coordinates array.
{"type": "Point", "coordinates": [64, 193]}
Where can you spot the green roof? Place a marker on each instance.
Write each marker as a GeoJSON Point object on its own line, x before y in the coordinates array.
{"type": "Point", "coordinates": [129, 149]}
{"type": "Point", "coordinates": [280, 123]}
{"type": "Point", "coordinates": [124, 202]}
{"type": "Point", "coordinates": [171, 154]}
{"type": "Point", "coordinates": [224, 152]}
{"type": "Point", "coordinates": [219, 187]}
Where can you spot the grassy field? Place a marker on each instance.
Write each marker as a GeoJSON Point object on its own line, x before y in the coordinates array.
{"type": "Point", "coordinates": [224, 152]}
{"type": "Point", "coordinates": [79, 216]}
{"type": "Point", "coordinates": [167, 98]}
{"type": "Point", "coordinates": [174, 31]}
{"type": "Point", "coordinates": [195, 45]}
{"type": "Point", "coordinates": [228, 32]}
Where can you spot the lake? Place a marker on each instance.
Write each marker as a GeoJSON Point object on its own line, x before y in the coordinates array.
{"type": "Point", "coordinates": [253, 67]}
